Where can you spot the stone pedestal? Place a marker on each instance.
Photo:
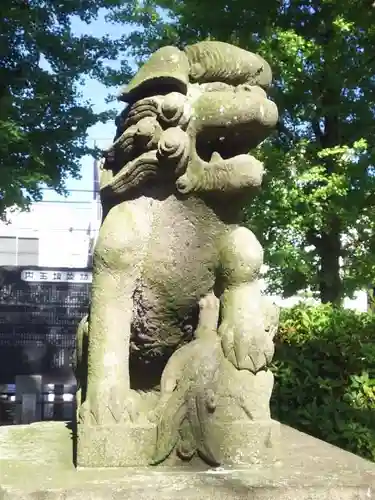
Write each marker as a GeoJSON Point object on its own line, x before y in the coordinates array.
{"type": "Point", "coordinates": [235, 443]}
{"type": "Point", "coordinates": [115, 445]}
{"type": "Point", "coordinates": [36, 463]}
{"type": "Point", "coordinates": [246, 442]}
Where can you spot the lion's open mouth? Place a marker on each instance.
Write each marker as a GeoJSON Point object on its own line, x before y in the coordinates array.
{"type": "Point", "coordinates": [226, 144]}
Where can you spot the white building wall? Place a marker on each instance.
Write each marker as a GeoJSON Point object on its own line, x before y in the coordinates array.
{"type": "Point", "coordinates": [62, 230]}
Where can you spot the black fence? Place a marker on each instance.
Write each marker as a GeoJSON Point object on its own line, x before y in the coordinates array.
{"type": "Point", "coordinates": [39, 313]}
{"type": "Point", "coordinates": [52, 405]}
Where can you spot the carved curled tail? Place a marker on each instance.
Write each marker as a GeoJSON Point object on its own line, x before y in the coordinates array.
{"type": "Point", "coordinates": [219, 61]}
{"type": "Point", "coordinates": [169, 425]}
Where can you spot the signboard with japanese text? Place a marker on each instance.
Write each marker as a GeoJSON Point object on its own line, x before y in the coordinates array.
{"type": "Point", "coordinates": [39, 313]}
{"type": "Point", "coordinates": [56, 276]}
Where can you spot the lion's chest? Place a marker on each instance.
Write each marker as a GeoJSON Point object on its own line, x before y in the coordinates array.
{"type": "Point", "coordinates": [166, 249]}
{"type": "Point", "coordinates": [178, 268]}
{"type": "Point", "coordinates": [183, 246]}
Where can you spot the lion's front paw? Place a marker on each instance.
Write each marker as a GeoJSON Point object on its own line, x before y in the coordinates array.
{"type": "Point", "coordinates": [109, 406]}
{"type": "Point", "coordinates": [245, 348]}
{"type": "Point", "coordinates": [87, 414]}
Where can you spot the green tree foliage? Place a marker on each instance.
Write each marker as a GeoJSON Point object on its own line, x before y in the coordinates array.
{"type": "Point", "coordinates": [316, 210]}
{"type": "Point", "coordinates": [325, 376]}
{"type": "Point", "coordinates": [43, 120]}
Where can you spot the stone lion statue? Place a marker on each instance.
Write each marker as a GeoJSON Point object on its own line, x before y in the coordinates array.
{"type": "Point", "coordinates": [178, 336]}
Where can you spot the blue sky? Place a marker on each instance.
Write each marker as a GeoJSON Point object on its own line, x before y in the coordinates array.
{"type": "Point", "coordinates": [95, 92]}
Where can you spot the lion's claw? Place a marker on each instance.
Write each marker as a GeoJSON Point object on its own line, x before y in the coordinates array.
{"type": "Point", "coordinates": [244, 349]}
{"type": "Point", "coordinates": [113, 406]}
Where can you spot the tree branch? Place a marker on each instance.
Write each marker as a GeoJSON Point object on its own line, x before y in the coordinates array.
{"type": "Point", "coordinates": [283, 130]}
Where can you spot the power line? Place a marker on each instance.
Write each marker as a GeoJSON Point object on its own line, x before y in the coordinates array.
{"type": "Point", "coordinates": [93, 139]}
{"type": "Point", "coordinates": [66, 201]}
{"type": "Point", "coordinates": [67, 229]}
{"type": "Point", "coordinates": [69, 190]}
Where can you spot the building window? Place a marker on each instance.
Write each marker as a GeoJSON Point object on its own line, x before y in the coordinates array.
{"type": "Point", "coordinates": [16, 251]}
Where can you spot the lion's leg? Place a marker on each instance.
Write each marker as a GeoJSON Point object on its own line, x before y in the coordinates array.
{"type": "Point", "coordinates": [117, 267]}
{"type": "Point", "coordinates": [245, 341]}
{"type": "Point", "coordinates": [108, 386]}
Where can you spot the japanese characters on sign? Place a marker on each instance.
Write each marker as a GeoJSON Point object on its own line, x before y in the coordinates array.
{"type": "Point", "coordinates": [56, 276]}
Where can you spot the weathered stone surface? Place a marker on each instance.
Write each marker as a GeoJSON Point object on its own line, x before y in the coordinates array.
{"type": "Point", "coordinates": [166, 67]}
{"type": "Point", "coordinates": [116, 445]}
{"type": "Point", "coordinates": [236, 442]}
{"type": "Point", "coordinates": [35, 464]}
{"type": "Point", "coordinates": [213, 61]}
{"type": "Point", "coordinates": [158, 367]}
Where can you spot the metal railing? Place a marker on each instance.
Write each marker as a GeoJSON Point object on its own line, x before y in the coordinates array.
{"type": "Point", "coordinates": [49, 406]}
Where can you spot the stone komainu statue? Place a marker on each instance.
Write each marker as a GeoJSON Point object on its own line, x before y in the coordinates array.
{"type": "Point", "coordinates": [172, 362]}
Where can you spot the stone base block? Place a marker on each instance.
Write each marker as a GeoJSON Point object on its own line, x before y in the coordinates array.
{"type": "Point", "coordinates": [244, 442]}
{"type": "Point", "coordinates": [115, 445]}
{"type": "Point", "coordinates": [36, 464]}
{"type": "Point", "coordinates": [240, 443]}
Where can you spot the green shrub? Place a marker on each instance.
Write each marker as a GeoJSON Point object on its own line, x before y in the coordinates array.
{"type": "Point", "coordinates": [324, 370]}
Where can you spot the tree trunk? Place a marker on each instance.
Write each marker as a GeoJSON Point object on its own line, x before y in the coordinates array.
{"type": "Point", "coordinates": [329, 249]}
{"type": "Point", "coordinates": [329, 246]}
